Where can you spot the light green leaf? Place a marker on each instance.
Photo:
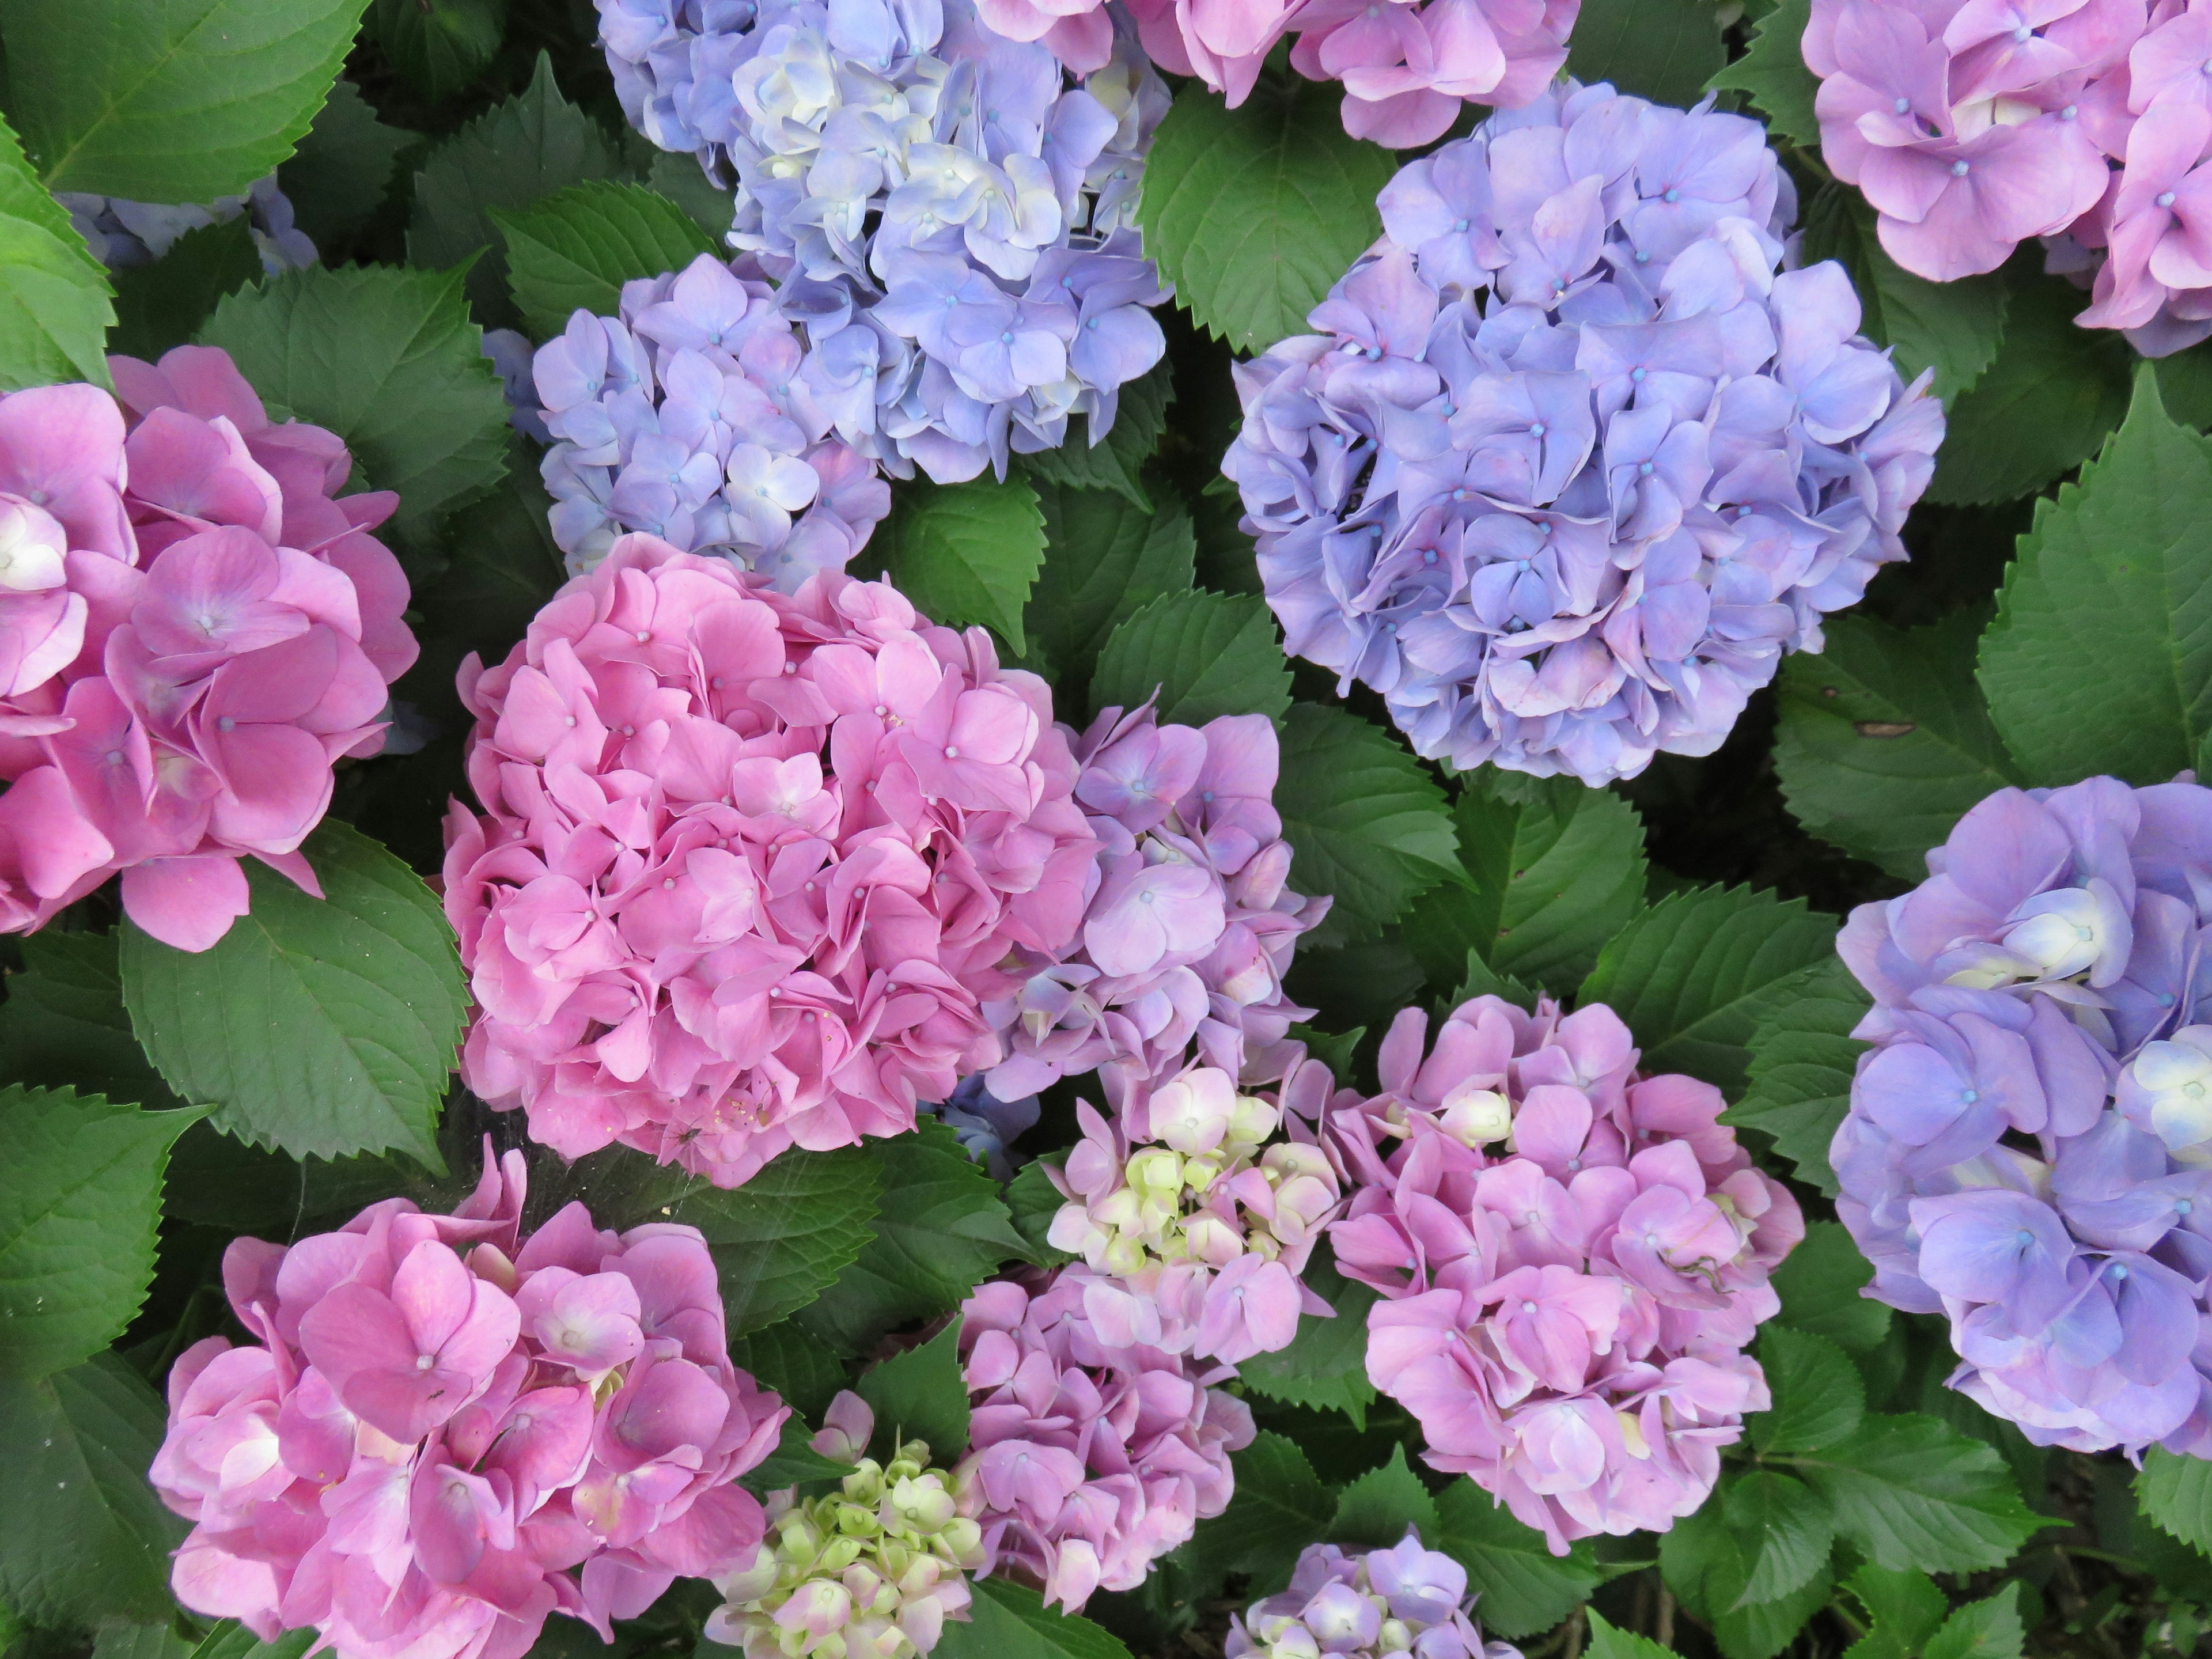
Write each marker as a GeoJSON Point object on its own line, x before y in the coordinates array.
{"type": "Point", "coordinates": [1662, 50]}
{"type": "Point", "coordinates": [920, 1395]}
{"type": "Point", "coordinates": [325, 1026]}
{"type": "Point", "coordinates": [1104, 561]}
{"type": "Point", "coordinates": [1117, 461]}
{"type": "Point", "coordinates": [2100, 658]}
{"type": "Point", "coordinates": [1364, 820]}
{"type": "Point", "coordinates": [343, 172]}
{"type": "Point", "coordinates": [64, 1023]}
{"type": "Point", "coordinates": [440, 46]}
{"type": "Point", "coordinates": [798, 1367]}
{"type": "Point", "coordinates": [2175, 1491]}
{"type": "Point", "coordinates": [1772, 72]}
{"type": "Point", "coordinates": [1802, 1059]}
{"type": "Point", "coordinates": [1990, 1629]}
{"type": "Point", "coordinates": [1609, 1641]}
{"type": "Point", "coordinates": [170, 100]}
{"type": "Point", "coordinates": [574, 249]}
{"type": "Point", "coordinates": [1008, 1620]}
{"type": "Point", "coordinates": [1254, 213]}
{"type": "Point", "coordinates": [1885, 740]}
{"type": "Point", "coordinates": [389, 361]}
{"type": "Point", "coordinates": [1781, 1528]}
{"type": "Point", "coordinates": [54, 308]}
{"type": "Point", "coordinates": [1280, 1506]}
{"type": "Point", "coordinates": [1903, 1608]}
{"type": "Point", "coordinates": [1818, 1396]}
{"type": "Point", "coordinates": [965, 553]}
{"type": "Point", "coordinates": [1913, 1492]}
{"type": "Point", "coordinates": [1205, 653]}
{"type": "Point", "coordinates": [1525, 1587]}
{"type": "Point", "coordinates": [82, 1538]}
{"type": "Point", "coordinates": [164, 304]}
{"type": "Point", "coordinates": [1375, 1509]}
{"type": "Point", "coordinates": [1694, 974]}
{"type": "Point", "coordinates": [1325, 1367]}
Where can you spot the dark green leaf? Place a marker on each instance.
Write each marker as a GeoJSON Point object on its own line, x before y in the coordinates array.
{"type": "Point", "coordinates": [1254, 213]}
{"type": "Point", "coordinates": [798, 1367]}
{"type": "Point", "coordinates": [1913, 1492]}
{"type": "Point", "coordinates": [1377, 1509]}
{"type": "Point", "coordinates": [1279, 1507]}
{"type": "Point", "coordinates": [1662, 50]}
{"type": "Point", "coordinates": [794, 1463]}
{"type": "Point", "coordinates": [574, 249]}
{"type": "Point", "coordinates": [142, 1642]}
{"type": "Point", "coordinates": [2175, 1491]}
{"type": "Point", "coordinates": [54, 308]}
{"type": "Point", "coordinates": [1783, 1530]}
{"type": "Point", "coordinates": [1982, 1630]}
{"type": "Point", "coordinates": [231, 1640]}
{"type": "Point", "coordinates": [64, 1023]}
{"type": "Point", "coordinates": [1364, 984]}
{"type": "Point", "coordinates": [1525, 1587]}
{"type": "Point", "coordinates": [1765, 1628]}
{"type": "Point", "coordinates": [1820, 1282]}
{"type": "Point", "coordinates": [344, 170]}
{"type": "Point", "coordinates": [163, 304]}
{"type": "Point", "coordinates": [685, 182]}
{"type": "Point", "coordinates": [1609, 1641]}
{"type": "Point", "coordinates": [1709, 1570]}
{"type": "Point", "coordinates": [325, 1026]}
{"type": "Point", "coordinates": [220, 1182]}
{"type": "Point", "coordinates": [1117, 462]}
{"type": "Point", "coordinates": [1366, 821]}
{"type": "Point", "coordinates": [1772, 72]}
{"type": "Point", "coordinates": [965, 553]}
{"type": "Point", "coordinates": [919, 1395]}
{"type": "Point", "coordinates": [1104, 561]}
{"type": "Point", "coordinates": [1325, 1367]}
{"type": "Point", "coordinates": [1205, 653]}
{"type": "Point", "coordinates": [1954, 328]}
{"type": "Point", "coordinates": [1905, 1609]}
{"type": "Point", "coordinates": [1802, 1059]}
{"type": "Point", "coordinates": [1818, 1396]}
{"type": "Point", "coordinates": [440, 46]}
{"type": "Point", "coordinates": [1479, 979]}
{"type": "Point", "coordinates": [1032, 1201]}
{"type": "Point", "coordinates": [1008, 1620]}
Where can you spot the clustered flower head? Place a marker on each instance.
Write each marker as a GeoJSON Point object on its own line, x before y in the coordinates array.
{"type": "Point", "coordinates": [1972, 127]}
{"type": "Point", "coordinates": [751, 863]}
{"type": "Point", "coordinates": [1088, 1460]}
{"type": "Point", "coordinates": [2029, 1145]}
{"type": "Point", "coordinates": [1366, 1605]}
{"type": "Point", "coordinates": [444, 1419]}
{"type": "Point", "coordinates": [123, 235]}
{"type": "Point", "coordinates": [1573, 1259]}
{"type": "Point", "coordinates": [1196, 1220]}
{"type": "Point", "coordinates": [194, 629]}
{"type": "Point", "coordinates": [949, 220]}
{"type": "Point", "coordinates": [870, 1571]}
{"type": "Point", "coordinates": [1188, 927]}
{"type": "Point", "coordinates": [1571, 462]}
{"type": "Point", "coordinates": [688, 417]}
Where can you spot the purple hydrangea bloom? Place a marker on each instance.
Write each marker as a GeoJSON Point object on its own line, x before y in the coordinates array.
{"type": "Point", "coordinates": [122, 234]}
{"type": "Point", "coordinates": [2029, 1145]}
{"type": "Point", "coordinates": [987, 1126]}
{"type": "Point", "coordinates": [1571, 461]}
{"type": "Point", "coordinates": [948, 216]}
{"type": "Point", "coordinates": [688, 417]}
{"type": "Point", "coordinates": [1366, 1604]}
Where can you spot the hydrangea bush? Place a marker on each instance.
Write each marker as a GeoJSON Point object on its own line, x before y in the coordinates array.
{"type": "Point", "coordinates": [1278, 828]}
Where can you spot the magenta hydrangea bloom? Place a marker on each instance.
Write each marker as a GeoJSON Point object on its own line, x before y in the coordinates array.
{"type": "Point", "coordinates": [1188, 926]}
{"type": "Point", "coordinates": [1088, 1460]}
{"type": "Point", "coordinates": [751, 863]}
{"type": "Point", "coordinates": [688, 417]}
{"type": "Point", "coordinates": [194, 627]}
{"type": "Point", "coordinates": [1366, 1604]}
{"type": "Point", "coordinates": [1571, 461]}
{"type": "Point", "coordinates": [2029, 1149]}
{"type": "Point", "coordinates": [1572, 1258]}
{"type": "Point", "coordinates": [445, 1419]}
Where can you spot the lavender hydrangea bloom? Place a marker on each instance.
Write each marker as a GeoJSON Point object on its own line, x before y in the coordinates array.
{"type": "Point", "coordinates": [1571, 462]}
{"type": "Point", "coordinates": [122, 234]}
{"type": "Point", "coordinates": [948, 218]}
{"type": "Point", "coordinates": [2029, 1145]}
{"type": "Point", "coordinates": [1366, 1604]}
{"type": "Point", "coordinates": [688, 417]}
{"type": "Point", "coordinates": [987, 1126]}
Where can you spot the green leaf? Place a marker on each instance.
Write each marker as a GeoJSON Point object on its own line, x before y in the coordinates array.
{"type": "Point", "coordinates": [685, 182]}
{"type": "Point", "coordinates": [1525, 1587]}
{"type": "Point", "coordinates": [942, 1228]}
{"type": "Point", "coordinates": [64, 1023]}
{"type": "Point", "coordinates": [163, 304]}
{"type": "Point", "coordinates": [80, 1204]}
{"type": "Point", "coordinates": [229, 1639]}
{"type": "Point", "coordinates": [1820, 1282]}
{"type": "Point", "coordinates": [1772, 73]}
{"type": "Point", "coordinates": [220, 1182]}
{"type": "Point", "coordinates": [1885, 740]}
{"type": "Point", "coordinates": [1549, 880]}
{"type": "Point", "coordinates": [2041, 408]}
{"type": "Point", "coordinates": [343, 172]}
{"type": "Point", "coordinates": [1802, 1059]}
{"type": "Point", "coordinates": [1662, 50]}
{"type": "Point", "coordinates": [1913, 1492]}
{"type": "Point", "coordinates": [1694, 974]}
{"type": "Point", "coordinates": [54, 308]}
{"type": "Point", "coordinates": [2100, 658]}
{"type": "Point", "coordinates": [2176, 1491]}
{"type": "Point", "coordinates": [1104, 561]}
{"type": "Point", "coordinates": [82, 1538]}
{"type": "Point", "coordinates": [1032, 1201]}
{"type": "Point", "coordinates": [1707, 1566]}
{"type": "Point", "coordinates": [324, 1026]}
{"type": "Point", "coordinates": [1480, 979]}
{"type": "Point", "coordinates": [1116, 463]}
{"type": "Point", "coordinates": [1819, 1399]}
{"type": "Point", "coordinates": [389, 361]}
{"type": "Point", "coordinates": [513, 156]}
{"type": "Point", "coordinates": [440, 46]}
{"type": "Point", "coordinates": [1781, 1528]}
{"type": "Point", "coordinates": [1954, 328]}
{"type": "Point", "coordinates": [793, 1463]}
{"type": "Point", "coordinates": [1765, 1628]}
{"type": "Point", "coordinates": [1205, 653]}
{"type": "Point", "coordinates": [1366, 821]}
{"type": "Point", "coordinates": [1007, 1621]}
{"type": "Point", "coordinates": [1279, 1507]}
{"type": "Point", "coordinates": [142, 1642]}
{"type": "Point", "coordinates": [1609, 1641]}
{"type": "Point", "coordinates": [798, 1367]}
{"type": "Point", "coordinates": [920, 1395]}
{"type": "Point", "coordinates": [1325, 1367]}
{"type": "Point", "coordinates": [575, 249]}
{"type": "Point", "coordinates": [1255, 213]}
{"type": "Point", "coordinates": [1377, 1509]}
{"type": "Point", "coordinates": [965, 553]}
{"type": "Point", "coordinates": [1982, 1630]}
{"type": "Point", "coordinates": [1903, 1608]}
{"type": "Point", "coordinates": [170, 100]}
{"type": "Point", "coordinates": [777, 1241]}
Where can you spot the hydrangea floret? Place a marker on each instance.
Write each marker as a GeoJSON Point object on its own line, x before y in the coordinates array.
{"type": "Point", "coordinates": [872, 1570]}
{"type": "Point", "coordinates": [750, 864]}
{"type": "Point", "coordinates": [1088, 1460]}
{"type": "Point", "coordinates": [123, 235]}
{"type": "Point", "coordinates": [443, 1419]}
{"type": "Point", "coordinates": [1367, 1604]}
{"type": "Point", "coordinates": [195, 628]}
{"type": "Point", "coordinates": [1572, 1257]}
{"type": "Point", "coordinates": [948, 217]}
{"type": "Point", "coordinates": [1571, 461]}
{"type": "Point", "coordinates": [1196, 1208]}
{"type": "Point", "coordinates": [1190, 925]}
{"type": "Point", "coordinates": [2029, 1145]}
{"type": "Point", "coordinates": [688, 417]}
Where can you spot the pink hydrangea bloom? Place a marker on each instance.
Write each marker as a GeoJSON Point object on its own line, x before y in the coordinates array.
{"type": "Point", "coordinates": [194, 627]}
{"type": "Point", "coordinates": [445, 1420]}
{"type": "Point", "coordinates": [1194, 1218]}
{"type": "Point", "coordinates": [1088, 1460]}
{"type": "Point", "coordinates": [1572, 1258]}
{"type": "Point", "coordinates": [751, 863]}
{"type": "Point", "coordinates": [1187, 925]}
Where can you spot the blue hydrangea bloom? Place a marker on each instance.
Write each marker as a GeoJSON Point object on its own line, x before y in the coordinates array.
{"type": "Point", "coordinates": [122, 234]}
